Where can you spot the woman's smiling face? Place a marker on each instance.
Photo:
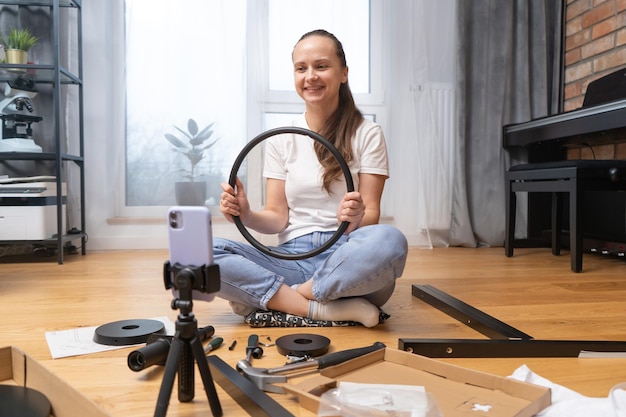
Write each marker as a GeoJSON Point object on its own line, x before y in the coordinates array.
{"type": "Point", "coordinates": [318, 71]}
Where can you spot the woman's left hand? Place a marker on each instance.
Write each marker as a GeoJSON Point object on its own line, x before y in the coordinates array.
{"type": "Point", "coordinates": [352, 210]}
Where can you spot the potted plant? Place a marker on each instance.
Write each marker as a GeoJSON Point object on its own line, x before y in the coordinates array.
{"type": "Point", "coordinates": [192, 145]}
{"type": "Point", "coordinates": [17, 45]}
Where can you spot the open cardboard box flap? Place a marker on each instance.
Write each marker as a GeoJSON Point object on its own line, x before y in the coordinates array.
{"type": "Point", "coordinates": [17, 368]}
{"type": "Point", "coordinates": [457, 390]}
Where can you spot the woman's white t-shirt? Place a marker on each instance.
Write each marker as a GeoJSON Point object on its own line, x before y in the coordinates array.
{"type": "Point", "coordinates": [292, 158]}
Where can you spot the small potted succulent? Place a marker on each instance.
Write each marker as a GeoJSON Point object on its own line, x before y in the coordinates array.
{"type": "Point", "coordinates": [192, 145]}
{"type": "Point", "coordinates": [17, 44]}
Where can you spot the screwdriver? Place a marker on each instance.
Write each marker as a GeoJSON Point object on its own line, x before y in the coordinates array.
{"type": "Point", "coordinates": [213, 344]}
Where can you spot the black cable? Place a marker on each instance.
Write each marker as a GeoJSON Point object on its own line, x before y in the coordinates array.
{"type": "Point", "coordinates": [344, 168]}
{"type": "Point", "coordinates": [590, 148]}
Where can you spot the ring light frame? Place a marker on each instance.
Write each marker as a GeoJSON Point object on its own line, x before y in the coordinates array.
{"type": "Point", "coordinates": [342, 164]}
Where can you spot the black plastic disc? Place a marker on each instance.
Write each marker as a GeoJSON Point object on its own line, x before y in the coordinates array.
{"type": "Point", "coordinates": [23, 402]}
{"type": "Point", "coordinates": [342, 164]}
{"type": "Point", "coordinates": [302, 344]}
{"type": "Point", "coordinates": [127, 332]}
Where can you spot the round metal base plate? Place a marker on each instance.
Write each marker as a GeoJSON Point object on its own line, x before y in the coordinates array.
{"type": "Point", "coordinates": [127, 332]}
{"type": "Point", "coordinates": [302, 344]}
{"type": "Point", "coordinates": [23, 402]}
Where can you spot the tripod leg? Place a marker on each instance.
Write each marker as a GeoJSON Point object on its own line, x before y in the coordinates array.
{"type": "Point", "coordinates": [207, 379]}
{"type": "Point", "coordinates": [186, 374]}
{"type": "Point", "coordinates": [171, 367]}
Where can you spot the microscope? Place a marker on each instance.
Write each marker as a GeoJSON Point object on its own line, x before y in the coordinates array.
{"type": "Point", "coordinates": [16, 124]}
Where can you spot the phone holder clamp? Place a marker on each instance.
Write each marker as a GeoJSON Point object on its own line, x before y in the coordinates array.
{"type": "Point", "coordinates": [205, 278]}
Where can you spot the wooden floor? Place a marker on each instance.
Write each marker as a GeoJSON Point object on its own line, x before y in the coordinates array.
{"type": "Point", "coordinates": [534, 292]}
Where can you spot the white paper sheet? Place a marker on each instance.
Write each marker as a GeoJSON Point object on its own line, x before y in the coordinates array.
{"type": "Point", "coordinates": [79, 341]}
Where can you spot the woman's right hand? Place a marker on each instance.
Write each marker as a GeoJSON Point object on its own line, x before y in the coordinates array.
{"type": "Point", "coordinates": [234, 203]}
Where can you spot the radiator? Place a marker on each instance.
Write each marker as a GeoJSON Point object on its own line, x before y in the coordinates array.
{"type": "Point", "coordinates": [438, 147]}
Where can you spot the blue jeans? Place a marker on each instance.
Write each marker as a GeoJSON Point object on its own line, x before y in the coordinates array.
{"type": "Point", "coordinates": [364, 263]}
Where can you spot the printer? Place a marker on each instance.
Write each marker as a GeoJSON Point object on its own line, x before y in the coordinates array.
{"type": "Point", "coordinates": [28, 210]}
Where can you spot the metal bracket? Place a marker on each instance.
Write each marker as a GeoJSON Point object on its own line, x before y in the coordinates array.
{"type": "Point", "coordinates": [505, 341]}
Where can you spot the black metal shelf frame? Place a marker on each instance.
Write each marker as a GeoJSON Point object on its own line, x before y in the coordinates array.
{"type": "Point", "coordinates": [56, 75]}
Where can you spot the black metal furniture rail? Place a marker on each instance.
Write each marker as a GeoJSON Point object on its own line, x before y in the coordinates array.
{"type": "Point", "coordinates": [529, 348]}
{"type": "Point", "coordinates": [254, 400]}
{"type": "Point", "coordinates": [505, 342]}
{"type": "Point", "coordinates": [468, 315]}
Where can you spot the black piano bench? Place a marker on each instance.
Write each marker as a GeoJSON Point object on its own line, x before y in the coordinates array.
{"type": "Point", "coordinates": [571, 176]}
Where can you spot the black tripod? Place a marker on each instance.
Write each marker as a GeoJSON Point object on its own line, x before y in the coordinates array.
{"type": "Point", "coordinates": [186, 344]}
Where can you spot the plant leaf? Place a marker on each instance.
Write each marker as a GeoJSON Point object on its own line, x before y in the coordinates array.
{"type": "Point", "coordinates": [206, 132]}
{"type": "Point", "coordinates": [197, 141]}
{"type": "Point", "coordinates": [192, 127]}
{"type": "Point", "coordinates": [192, 151]}
{"type": "Point", "coordinates": [195, 155]}
{"type": "Point", "coordinates": [175, 141]}
{"type": "Point", "coordinates": [183, 132]}
{"type": "Point", "coordinates": [210, 144]}
{"type": "Point", "coordinates": [201, 138]}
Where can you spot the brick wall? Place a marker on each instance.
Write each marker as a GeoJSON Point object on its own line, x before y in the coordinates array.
{"type": "Point", "coordinates": [595, 45]}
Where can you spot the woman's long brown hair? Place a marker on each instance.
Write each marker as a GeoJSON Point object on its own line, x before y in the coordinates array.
{"type": "Point", "coordinates": [341, 126]}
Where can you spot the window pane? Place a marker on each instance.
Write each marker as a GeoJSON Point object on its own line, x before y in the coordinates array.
{"type": "Point", "coordinates": [184, 60]}
{"type": "Point", "coordinates": [347, 19]}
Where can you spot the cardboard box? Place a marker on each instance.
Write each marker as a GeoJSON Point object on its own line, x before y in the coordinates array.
{"type": "Point", "coordinates": [17, 368]}
{"type": "Point", "coordinates": [455, 389]}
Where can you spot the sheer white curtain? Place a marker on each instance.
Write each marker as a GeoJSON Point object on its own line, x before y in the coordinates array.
{"type": "Point", "coordinates": [426, 159]}
{"type": "Point", "coordinates": [71, 117]}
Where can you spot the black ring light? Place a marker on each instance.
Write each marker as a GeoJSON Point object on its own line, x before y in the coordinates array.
{"type": "Point", "coordinates": [342, 163]}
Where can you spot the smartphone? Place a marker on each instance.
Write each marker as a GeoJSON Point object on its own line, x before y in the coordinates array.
{"type": "Point", "coordinates": [191, 245]}
{"type": "Point", "coordinates": [191, 239]}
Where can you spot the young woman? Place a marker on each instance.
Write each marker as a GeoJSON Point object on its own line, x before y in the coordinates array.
{"type": "Point", "coordinates": [306, 201]}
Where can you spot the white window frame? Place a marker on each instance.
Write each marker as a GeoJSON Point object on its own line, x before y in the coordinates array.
{"type": "Point", "coordinates": [288, 102]}
{"type": "Point", "coordinates": [272, 101]}
{"type": "Point", "coordinates": [260, 100]}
